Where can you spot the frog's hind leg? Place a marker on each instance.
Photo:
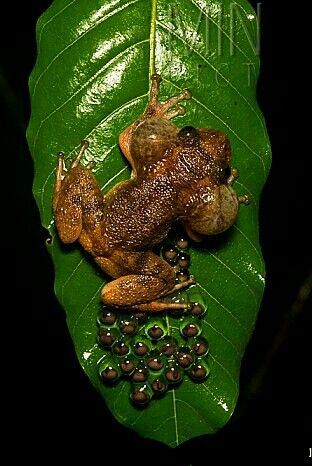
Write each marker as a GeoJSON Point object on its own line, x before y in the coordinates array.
{"type": "Point", "coordinates": [129, 291]}
{"type": "Point", "coordinates": [77, 202]}
{"type": "Point", "coordinates": [158, 306]}
{"type": "Point", "coordinates": [84, 145]}
{"type": "Point", "coordinates": [142, 279]}
{"type": "Point", "coordinates": [61, 171]}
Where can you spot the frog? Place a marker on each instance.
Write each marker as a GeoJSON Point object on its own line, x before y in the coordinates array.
{"type": "Point", "coordinates": [178, 175]}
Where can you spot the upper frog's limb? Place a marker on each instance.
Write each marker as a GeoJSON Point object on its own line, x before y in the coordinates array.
{"type": "Point", "coordinates": [146, 140]}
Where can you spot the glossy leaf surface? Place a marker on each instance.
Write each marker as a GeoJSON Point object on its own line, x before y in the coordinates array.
{"type": "Point", "coordinates": [91, 81]}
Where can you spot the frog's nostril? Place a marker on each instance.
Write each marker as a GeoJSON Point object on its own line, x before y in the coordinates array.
{"type": "Point", "coordinates": [188, 135]}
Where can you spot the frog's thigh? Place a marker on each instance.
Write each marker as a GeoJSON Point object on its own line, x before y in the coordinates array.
{"type": "Point", "coordinates": [150, 277]}
{"type": "Point", "coordinates": [79, 196]}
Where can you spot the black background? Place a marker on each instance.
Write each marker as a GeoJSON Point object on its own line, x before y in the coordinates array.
{"type": "Point", "coordinates": [54, 412]}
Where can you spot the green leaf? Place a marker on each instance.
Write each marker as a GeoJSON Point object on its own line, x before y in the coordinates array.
{"type": "Point", "coordinates": [91, 80]}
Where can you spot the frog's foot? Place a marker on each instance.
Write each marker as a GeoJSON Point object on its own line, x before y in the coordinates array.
{"type": "Point", "coordinates": [61, 170]}
{"type": "Point", "coordinates": [180, 286]}
{"type": "Point", "coordinates": [169, 108]}
{"type": "Point", "coordinates": [60, 175]}
{"type": "Point", "coordinates": [121, 293]}
{"type": "Point", "coordinates": [113, 294]}
{"type": "Point", "coordinates": [159, 306]}
{"type": "Point", "coordinates": [84, 145]}
{"type": "Point", "coordinates": [233, 176]}
{"type": "Point", "coordinates": [244, 199]}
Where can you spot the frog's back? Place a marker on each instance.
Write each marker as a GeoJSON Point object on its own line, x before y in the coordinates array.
{"type": "Point", "coordinates": [138, 214]}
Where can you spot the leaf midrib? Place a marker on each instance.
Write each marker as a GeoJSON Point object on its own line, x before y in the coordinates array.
{"type": "Point", "coordinates": [153, 37]}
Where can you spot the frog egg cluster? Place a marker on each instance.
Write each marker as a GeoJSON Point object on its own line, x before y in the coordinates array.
{"type": "Point", "coordinates": [142, 349]}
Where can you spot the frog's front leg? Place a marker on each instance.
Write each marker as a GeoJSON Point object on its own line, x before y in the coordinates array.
{"type": "Point", "coordinates": [143, 278]}
{"type": "Point", "coordinates": [153, 126]}
{"type": "Point", "coordinates": [215, 211]}
{"type": "Point", "coordinates": [77, 201]}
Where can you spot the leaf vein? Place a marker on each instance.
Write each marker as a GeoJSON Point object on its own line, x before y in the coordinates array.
{"type": "Point", "coordinates": [153, 37]}
{"type": "Point", "coordinates": [224, 307]}
{"type": "Point", "coordinates": [239, 353]}
{"type": "Point", "coordinates": [137, 419]}
{"type": "Point", "coordinates": [97, 23]}
{"type": "Point", "coordinates": [85, 308]}
{"type": "Point", "coordinates": [44, 188]}
{"type": "Point", "coordinates": [192, 409]}
{"type": "Point", "coordinates": [220, 28]}
{"type": "Point", "coordinates": [226, 371]}
{"type": "Point", "coordinates": [175, 417]}
{"type": "Point", "coordinates": [249, 241]}
{"type": "Point", "coordinates": [251, 291]}
{"type": "Point", "coordinates": [161, 425]}
{"type": "Point", "coordinates": [51, 19]}
{"type": "Point", "coordinates": [114, 177]}
{"type": "Point", "coordinates": [246, 189]}
{"type": "Point", "coordinates": [74, 94]}
{"type": "Point", "coordinates": [69, 278]}
{"type": "Point", "coordinates": [114, 112]}
{"type": "Point", "coordinates": [117, 399]}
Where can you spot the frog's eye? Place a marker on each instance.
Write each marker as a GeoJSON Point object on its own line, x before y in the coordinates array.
{"type": "Point", "coordinates": [188, 136]}
{"type": "Point", "coordinates": [225, 173]}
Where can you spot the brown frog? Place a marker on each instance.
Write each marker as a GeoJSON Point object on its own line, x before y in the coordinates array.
{"type": "Point", "coordinates": [178, 174]}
